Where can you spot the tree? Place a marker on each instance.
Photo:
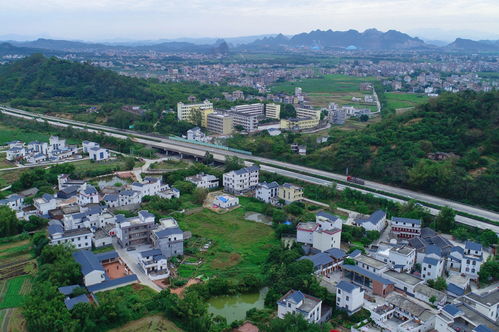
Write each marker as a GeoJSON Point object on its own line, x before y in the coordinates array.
{"type": "Point", "coordinates": [288, 111]}
{"type": "Point", "coordinates": [438, 284]}
{"type": "Point", "coordinates": [488, 238]}
{"type": "Point", "coordinates": [349, 261]}
{"type": "Point", "coordinates": [432, 299]}
{"type": "Point", "coordinates": [196, 117]}
{"type": "Point", "coordinates": [208, 158]}
{"type": "Point", "coordinates": [9, 225]}
{"type": "Point", "coordinates": [489, 271]}
{"type": "Point", "coordinates": [364, 118]}
{"type": "Point", "coordinates": [185, 187]}
{"type": "Point", "coordinates": [130, 163]}
{"type": "Point", "coordinates": [445, 220]}
{"type": "Point", "coordinates": [295, 323]}
{"type": "Point", "coordinates": [233, 163]}
{"type": "Point", "coordinates": [199, 195]}
{"type": "Point", "coordinates": [239, 128]}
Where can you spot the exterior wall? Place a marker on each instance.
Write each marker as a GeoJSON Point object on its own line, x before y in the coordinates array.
{"type": "Point", "coordinates": [265, 194]}
{"type": "Point", "coordinates": [299, 123]}
{"type": "Point", "coordinates": [350, 301]}
{"type": "Point", "coordinates": [94, 277]}
{"type": "Point", "coordinates": [290, 194]}
{"type": "Point", "coordinates": [308, 113]}
{"type": "Point", "coordinates": [237, 183]}
{"type": "Point", "coordinates": [380, 289]}
{"type": "Point", "coordinates": [171, 248]}
{"type": "Point", "coordinates": [324, 240]}
{"type": "Point", "coordinates": [98, 155]}
{"type": "Point", "coordinates": [220, 124]}
{"type": "Point", "coordinates": [432, 272]}
{"type": "Point", "coordinates": [304, 236]}
{"type": "Point", "coordinates": [470, 266]}
{"type": "Point", "coordinates": [273, 111]}
{"type": "Point", "coordinates": [184, 111]}
{"type": "Point", "coordinates": [397, 258]}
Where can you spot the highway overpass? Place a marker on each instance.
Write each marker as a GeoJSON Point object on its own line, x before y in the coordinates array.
{"type": "Point", "coordinates": [292, 170]}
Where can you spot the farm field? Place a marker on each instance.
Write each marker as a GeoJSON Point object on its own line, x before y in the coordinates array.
{"type": "Point", "coordinates": [395, 100]}
{"type": "Point", "coordinates": [4, 163]}
{"type": "Point", "coordinates": [170, 164]}
{"type": "Point", "coordinates": [238, 246]}
{"type": "Point", "coordinates": [14, 292]}
{"type": "Point", "coordinates": [149, 323]}
{"type": "Point", "coordinates": [332, 88]}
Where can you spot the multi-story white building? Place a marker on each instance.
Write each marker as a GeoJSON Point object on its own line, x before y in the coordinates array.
{"type": "Point", "coordinates": [201, 180]}
{"type": "Point", "coordinates": [248, 122]}
{"type": "Point", "coordinates": [432, 267]}
{"type": "Point", "coordinates": [221, 124]}
{"type": "Point", "coordinates": [250, 109]}
{"type": "Point", "coordinates": [88, 195]}
{"type": "Point", "coordinates": [303, 113]}
{"type": "Point", "coordinates": [185, 111]}
{"type": "Point", "coordinates": [44, 204]}
{"type": "Point", "coordinates": [241, 180]}
{"type": "Point", "coordinates": [267, 192]}
{"type": "Point", "coordinates": [323, 234]}
{"type": "Point", "coordinates": [273, 111]}
{"type": "Point", "coordinates": [472, 259]}
{"type": "Point", "coordinates": [135, 230]}
{"type": "Point", "coordinates": [295, 302]}
{"type": "Point", "coordinates": [79, 238]}
{"type": "Point", "coordinates": [154, 264]}
{"type": "Point", "coordinates": [375, 222]}
{"type": "Point", "coordinates": [405, 228]}
{"type": "Point", "coordinates": [14, 202]}
{"type": "Point", "coordinates": [349, 297]}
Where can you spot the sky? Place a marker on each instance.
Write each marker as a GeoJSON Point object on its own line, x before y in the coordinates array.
{"type": "Point", "coordinates": [99, 20]}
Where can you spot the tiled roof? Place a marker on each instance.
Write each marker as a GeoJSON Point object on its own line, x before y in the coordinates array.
{"type": "Point", "coordinates": [327, 215]}
{"type": "Point", "coordinates": [318, 259]}
{"type": "Point", "coordinates": [71, 302]}
{"type": "Point", "coordinates": [370, 275]}
{"type": "Point", "coordinates": [336, 253]}
{"type": "Point", "coordinates": [67, 290]}
{"type": "Point", "coordinates": [470, 245]}
{"type": "Point", "coordinates": [112, 283]}
{"type": "Point", "coordinates": [168, 231]}
{"type": "Point", "coordinates": [88, 261]}
{"type": "Point", "coordinates": [451, 310]}
{"type": "Point", "coordinates": [430, 261]}
{"type": "Point", "coordinates": [454, 289]}
{"type": "Point", "coordinates": [346, 286]}
{"type": "Point", "coordinates": [374, 218]}
{"type": "Point", "coordinates": [107, 255]}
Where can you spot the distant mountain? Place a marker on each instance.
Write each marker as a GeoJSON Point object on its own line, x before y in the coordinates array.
{"type": "Point", "coordinates": [61, 45]}
{"type": "Point", "coordinates": [461, 44]}
{"type": "Point", "coordinates": [9, 49]}
{"type": "Point", "coordinates": [370, 39]}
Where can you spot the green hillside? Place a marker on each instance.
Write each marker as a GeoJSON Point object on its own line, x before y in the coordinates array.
{"type": "Point", "coordinates": [397, 150]}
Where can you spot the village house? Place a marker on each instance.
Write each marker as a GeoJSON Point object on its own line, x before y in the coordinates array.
{"type": "Point", "coordinates": [349, 297]}
{"type": "Point", "coordinates": [242, 180]}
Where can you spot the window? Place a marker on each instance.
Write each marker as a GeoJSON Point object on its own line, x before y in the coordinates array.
{"type": "Point", "coordinates": [347, 298]}
{"type": "Point", "coordinates": [339, 291]}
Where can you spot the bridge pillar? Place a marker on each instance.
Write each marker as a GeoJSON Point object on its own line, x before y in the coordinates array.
{"type": "Point", "coordinates": [181, 155]}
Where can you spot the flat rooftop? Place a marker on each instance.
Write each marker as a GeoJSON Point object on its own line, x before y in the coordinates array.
{"type": "Point", "coordinates": [370, 261]}
{"type": "Point", "coordinates": [404, 277]}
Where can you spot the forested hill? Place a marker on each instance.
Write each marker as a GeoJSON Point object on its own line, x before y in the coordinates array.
{"type": "Point", "coordinates": [37, 77]}
{"type": "Point", "coordinates": [401, 149]}
{"type": "Point", "coordinates": [36, 80]}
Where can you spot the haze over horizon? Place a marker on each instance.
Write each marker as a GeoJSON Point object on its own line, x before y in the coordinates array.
{"type": "Point", "coordinates": [108, 20]}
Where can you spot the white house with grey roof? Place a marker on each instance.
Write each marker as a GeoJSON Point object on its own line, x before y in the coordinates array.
{"type": "Point", "coordinates": [323, 234]}
{"type": "Point", "coordinates": [205, 181]}
{"type": "Point", "coordinates": [267, 192]}
{"type": "Point", "coordinates": [154, 264]}
{"type": "Point", "coordinates": [432, 267]}
{"type": "Point", "coordinates": [296, 302]}
{"type": "Point", "coordinates": [79, 238]}
{"type": "Point", "coordinates": [15, 202]}
{"type": "Point", "coordinates": [349, 297]}
{"type": "Point", "coordinates": [241, 180]}
{"type": "Point", "coordinates": [88, 195]}
{"type": "Point", "coordinates": [405, 228]}
{"type": "Point", "coordinates": [169, 238]}
{"type": "Point", "coordinates": [98, 153]}
{"type": "Point", "coordinates": [375, 222]}
{"type": "Point", "coordinates": [44, 204]}
{"type": "Point", "coordinates": [472, 259]}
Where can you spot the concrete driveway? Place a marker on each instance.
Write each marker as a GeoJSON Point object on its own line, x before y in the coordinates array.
{"type": "Point", "coordinates": [130, 258]}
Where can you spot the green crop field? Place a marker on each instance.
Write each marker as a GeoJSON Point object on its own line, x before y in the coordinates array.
{"type": "Point", "coordinates": [8, 134]}
{"type": "Point", "coordinates": [13, 294]}
{"type": "Point", "coordinates": [327, 84]}
{"type": "Point", "coordinates": [396, 100]}
{"type": "Point", "coordinates": [239, 246]}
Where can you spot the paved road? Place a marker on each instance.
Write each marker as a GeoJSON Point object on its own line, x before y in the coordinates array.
{"type": "Point", "coordinates": [132, 263]}
{"type": "Point", "coordinates": [219, 154]}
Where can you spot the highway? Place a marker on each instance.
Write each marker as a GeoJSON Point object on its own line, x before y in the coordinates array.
{"type": "Point", "coordinates": [298, 172]}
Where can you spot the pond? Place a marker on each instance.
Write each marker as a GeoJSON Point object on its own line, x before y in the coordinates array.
{"type": "Point", "coordinates": [234, 307]}
{"type": "Point", "coordinates": [111, 182]}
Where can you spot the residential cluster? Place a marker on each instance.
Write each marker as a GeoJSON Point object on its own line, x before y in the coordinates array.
{"type": "Point", "coordinates": [38, 152]}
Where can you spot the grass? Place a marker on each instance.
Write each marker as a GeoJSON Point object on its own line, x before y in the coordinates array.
{"type": "Point", "coordinates": [103, 249]}
{"type": "Point", "coordinates": [149, 323]}
{"type": "Point", "coordinates": [14, 295]}
{"type": "Point", "coordinates": [15, 252]}
{"type": "Point", "coordinates": [8, 134]}
{"type": "Point", "coordinates": [85, 166]}
{"type": "Point", "coordinates": [170, 164]}
{"type": "Point", "coordinates": [4, 163]}
{"type": "Point", "coordinates": [17, 323]}
{"type": "Point", "coordinates": [396, 100]}
{"type": "Point", "coordinates": [239, 246]}
{"type": "Point", "coordinates": [10, 176]}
